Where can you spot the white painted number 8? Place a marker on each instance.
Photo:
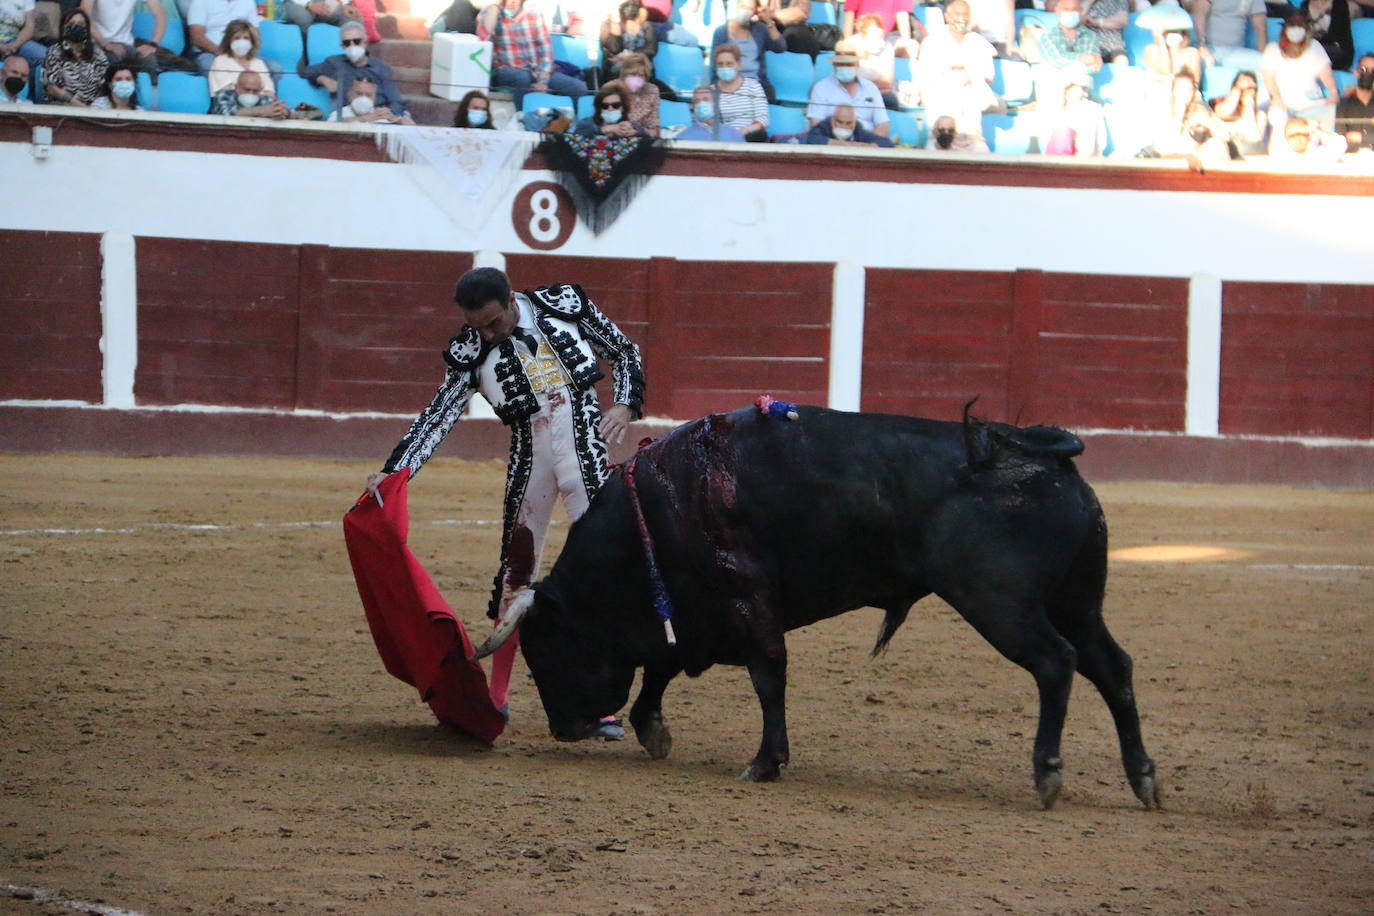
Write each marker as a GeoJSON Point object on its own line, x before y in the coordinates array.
{"type": "Point", "coordinates": [544, 223]}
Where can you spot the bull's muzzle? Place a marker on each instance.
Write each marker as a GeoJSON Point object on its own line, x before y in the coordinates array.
{"type": "Point", "coordinates": [507, 625]}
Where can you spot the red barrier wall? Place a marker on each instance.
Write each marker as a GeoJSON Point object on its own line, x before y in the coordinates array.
{"type": "Point", "coordinates": [1297, 359]}
{"type": "Point", "coordinates": [50, 310]}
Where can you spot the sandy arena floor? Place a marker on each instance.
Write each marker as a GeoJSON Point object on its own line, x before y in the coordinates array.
{"type": "Point", "coordinates": [195, 720]}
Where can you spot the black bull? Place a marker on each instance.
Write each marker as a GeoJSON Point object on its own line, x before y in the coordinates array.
{"type": "Point", "coordinates": [761, 525]}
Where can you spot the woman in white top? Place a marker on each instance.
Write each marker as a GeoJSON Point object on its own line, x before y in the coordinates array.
{"type": "Point", "coordinates": [1296, 70]}
{"type": "Point", "coordinates": [743, 104]}
{"type": "Point", "coordinates": [238, 51]}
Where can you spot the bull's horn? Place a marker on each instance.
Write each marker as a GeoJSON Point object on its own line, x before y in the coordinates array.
{"type": "Point", "coordinates": [515, 612]}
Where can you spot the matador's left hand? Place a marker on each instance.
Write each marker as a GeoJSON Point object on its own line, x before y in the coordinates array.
{"type": "Point", "coordinates": [614, 423]}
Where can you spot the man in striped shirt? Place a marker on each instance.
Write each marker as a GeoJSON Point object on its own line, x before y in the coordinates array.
{"type": "Point", "coordinates": [522, 52]}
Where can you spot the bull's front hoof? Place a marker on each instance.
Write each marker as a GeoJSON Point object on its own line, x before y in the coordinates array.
{"type": "Point", "coordinates": [760, 772]}
{"type": "Point", "coordinates": [656, 739]}
{"type": "Point", "coordinates": [1147, 789]}
{"type": "Point", "coordinates": [1048, 788]}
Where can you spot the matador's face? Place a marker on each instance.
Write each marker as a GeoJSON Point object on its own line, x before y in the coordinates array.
{"type": "Point", "coordinates": [494, 321]}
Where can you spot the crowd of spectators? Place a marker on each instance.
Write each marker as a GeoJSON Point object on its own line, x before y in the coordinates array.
{"type": "Point", "coordinates": [878, 59]}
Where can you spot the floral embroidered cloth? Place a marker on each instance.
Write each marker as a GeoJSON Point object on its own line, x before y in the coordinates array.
{"type": "Point", "coordinates": [603, 174]}
{"type": "Point", "coordinates": [468, 170]}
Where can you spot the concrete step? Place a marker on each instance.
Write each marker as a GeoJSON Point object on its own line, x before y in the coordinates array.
{"type": "Point", "coordinates": [403, 53]}
{"type": "Point", "coordinates": [411, 80]}
{"type": "Point", "coordinates": [402, 25]}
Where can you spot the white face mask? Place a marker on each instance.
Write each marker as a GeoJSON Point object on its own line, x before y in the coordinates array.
{"type": "Point", "coordinates": [744, 16]}
{"type": "Point", "coordinates": [1174, 39]}
{"type": "Point", "coordinates": [1295, 33]}
{"type": "Point", "coordinates": [249, 99]}
{"type": "Point", "coordinates": [361, 105]}
{"type": "Point", "coordinates": [355, 52]}
{"type": "Point", "coordinates": [842, 133]}
{"type": "Point", "coordinates": [241, 47]}
{"type": "Point", "coordinates": [1069, 19]}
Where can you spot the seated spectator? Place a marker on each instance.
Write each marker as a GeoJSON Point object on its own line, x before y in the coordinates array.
{"type": "Point", "coordinates": [625, 31]}
{"type": "Point", "coordinates": [364, 104]}
{"type": "Point", "coordinates": [1079, 128]}
{"type": "Point", "coordinates": [1296, 70]}
{"type": "Point", "coordinates": [1220, 28]}
{"type": "Point", "coordinates": [790, 17]}
{"type": "Point", "coordinates": [1355, 112]}
{"type": "Point", "coordinates": [337, 72]}
{"type": "Point", "coordinates": [1301, 140]}
{"type": "Point", "coordinates": [894, 18]}
{"type": "Point", "coordinates": [474, 110]}
{"type": "Point", "coordinates": [74, 68]}
{"type": "Point", "coordinates": [120, 90]}
{"type": "Point", "coordinates": [112, 27]}
{"type": "Point", "coordinates": [946, 137]}
{"type": "Point", "coordinates": [752, 31]}
{"type": "Point", "coordinates": [1241, 116]}
{"type": "Point", "coordinates": [206, 21]}
{"type": "Point", "coordinates": [238, 51]}
{"type": "Point", "coordinates": [14, 81]}
{"type": "Point", "coordinates": [956, 72]}
{"type": "Point", "coordinates": [1066, 52]}
{"type": "Point", "coordinates": [522, 52]}
{"type": "Point", "coordinates": [705, 125]}
{"type": "Point", "coordinates": [16, 33]}
{"type": "Point", "coordinates": [246, 98]}
{"type": "Point", "coordinates": [1329, 24]}
{"type": "Point", "coordinates": [1192, 131]}
{"type": "Point", "coordinates": [845, 87]}
{"type": "Point", "coordinates": [1170, 53]}
{"type": "Point", "coordinates": [1106, 19]}
{"type": "Point", "coordinates": [643, 95]}
{"type": "Point", "coordinates": [610, 114]}
{"type": "Point", "coordinates": [305, 14]}
{"type": "Point", "coordinates": [741, 102]}
{"type": "Point", "coordinates": [876, 50]}
{"type": "Point", "coordinates": [842, 129]}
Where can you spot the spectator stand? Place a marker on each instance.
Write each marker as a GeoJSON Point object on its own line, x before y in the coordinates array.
{"type": "Point", "coordinates": [681, 67]}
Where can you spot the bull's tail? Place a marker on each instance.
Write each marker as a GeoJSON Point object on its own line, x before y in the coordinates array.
{"type": "Point", "coordinates": [992, 445]}
{"type": "Point", "coordinates": [893, 618]}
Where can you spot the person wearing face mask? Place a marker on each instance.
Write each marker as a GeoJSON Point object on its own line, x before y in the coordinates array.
{"type": "Point", "coordinates": [474, 111]}
{"type": "Point", "coordinates": [1355, 112]}
{"type": "Point", "coordinates": [705, 125]}
{"type": "Point", "coordinates": [1171, 51]}
{"type": "Point", "coordinates": [625, 31]}
{"type": "Point", "coordinates": [364, 104]}
{"type": "Point", "coordinates": [1066, 53]}
{"type": "Point", "coordinates": [842, 128]}
{"type": "Point", "coordinates": [642, 94]}
{"type": "Point", "coordinates": [609, 118]}
{"type": "Point", "coordinates": [206, 22]}
{"type": "Point", "coordinates": [956, 72]}
{"type": "Point", "coordinates": [74, 68]}
{"type": "Point", "coordinates": [120, 89]}
{"type": "Point", "coordinates": [337, 72]}
{"type": "Point", "coordinates": [112, 27]}
{"type": "Point", "coordinates": [1297, 73]}
{"type": "Point", "coordinates": [946, 138]}
{"type": "Point", "coordinates": [246, 98]}
{"type": "Point", "coordinates": [522, 52]}
{"type": "Point", "coordinates": [14, 81]}
{"type": "Point", "coordinates": [238, 51]}
{"type": "Point", "coordinates": [845, 86]}
{"type": "Point", "coordinates": [739, 100]}
{"type": "Point", "coordinates": [752, 30]}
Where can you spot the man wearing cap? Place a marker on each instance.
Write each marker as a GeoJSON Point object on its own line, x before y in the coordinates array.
{"type": "Point", "coordinates": [533, 356]}
{"type": "Point", "coordinates": [846, 87]}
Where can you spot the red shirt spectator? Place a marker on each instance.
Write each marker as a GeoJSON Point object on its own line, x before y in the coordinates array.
{"type": "Point", "coordinates": [886, 10]}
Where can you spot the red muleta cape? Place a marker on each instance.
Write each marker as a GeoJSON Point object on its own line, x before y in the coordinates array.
{"type": "Point", "coordinates": [419, 639]}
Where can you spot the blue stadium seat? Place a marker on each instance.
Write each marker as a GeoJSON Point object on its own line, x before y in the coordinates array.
{"type": "Point", "coordinates": [144, 93]}
{"type": "Point", "coordinates": [786, 121]}
{"type": "Point", "coordinates": [1119, 83]}
{"type": "Point", "coordinates": [293, 90]}
{"type": "Point", "coordinates": [173, 37]}
{"type": "Point", "coordinates": [1012, 80]}
{"type": "Point", "coordinates": [36, 85]}
{"type": "Point", "coordinates": [791, 75]}
{"type": "Point", "coordinates": [823, 13]}
{"type": "Point", "coordinates": [901, 68]}
{"type": "Point", "coordinates": [281, 42]}
{"type": "Point", "coordinates": [674, 114]}
{"type": "Point", "coordinates": [929, 16]}
{"type": "Point", "coordinates": [1344, 80]}
{"type": "Point", "coordinates": [185, 92]}
{"type": "Point", "coordinates": [576, 50]}
{"type": "Point", "coordinates": [584, 106]}
{"type": "Point", "coordinates": [681, 67]}
{"type": "Point", "coordinates": [321, 41]}
{"type": "Point", "coordinates": [1217, 80]}
{"type": "Point", "coordinates": [1046, 19]}
{"type": "Point", "coordinates": [535, 100]}
{"type": "Point", "coordinates": [1275, 25]}
{"type": "Point", "coordinates": [1010, 134]}
{"type": "Point", "coordinates": [1362, 31]}
{"type": "Point", "coordinates": [906, 128]}
{"type": "Point", "coordinates": [824, 67]}
{"type": "Point", "coordinates": [1137, 40]}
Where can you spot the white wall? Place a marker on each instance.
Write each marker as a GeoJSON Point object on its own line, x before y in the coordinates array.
{"type": "Point", "coordinates": [358, 204]}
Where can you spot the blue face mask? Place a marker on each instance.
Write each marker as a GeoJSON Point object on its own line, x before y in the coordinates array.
{"type": "Point", "coordinates": [122, 88]}
{"type": "Point", "coordinates": [477, 117]}
{"type": "Point", "coordinates": [704, 111]}
{"type": "Point", "coordinates": [1069, 19]}
{"type": "Point", "coordinates": [726, 73]}
{"type": "Point", "coordinates": [846, 74]}
{"type": "Point", "coordinates": [610, 116]}
{"type": "Point", "coordinates": [509, 14]}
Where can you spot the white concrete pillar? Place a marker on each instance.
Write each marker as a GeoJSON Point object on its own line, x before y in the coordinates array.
{"type": "Point", "coordinates": [1203, 406]}
{"type": "Point", "coordinates": [846, 336]}
{"type": "Point", "coordinates": [119, 317]}
{"type": "Point", "coordinates": [478, 408]}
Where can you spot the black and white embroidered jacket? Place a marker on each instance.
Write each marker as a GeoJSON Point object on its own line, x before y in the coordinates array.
{"type": "Point", "coordinates": [577, 331]}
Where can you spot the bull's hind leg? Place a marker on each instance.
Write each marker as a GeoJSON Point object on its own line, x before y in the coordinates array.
{"type": "Point", "coordinates": [1024, 634]}
{"type": "Point", "coordinates": [646, 715]}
